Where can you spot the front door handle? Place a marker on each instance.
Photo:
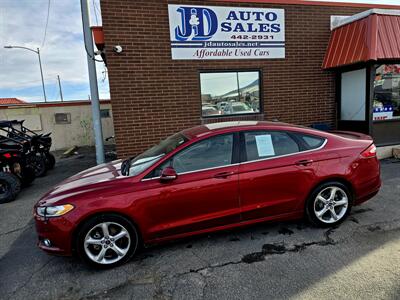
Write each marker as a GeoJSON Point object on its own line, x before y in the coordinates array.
{"type": "Point", "coordinates": [224, 174]}
{"type": "Point", "coordinates": [304, 162]}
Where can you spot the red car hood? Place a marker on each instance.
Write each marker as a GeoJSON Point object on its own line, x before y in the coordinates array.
{"type": "Point", "coordinates": [87, 180]}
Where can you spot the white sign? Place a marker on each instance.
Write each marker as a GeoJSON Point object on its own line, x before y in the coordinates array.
{"type": "Point", "coordinates": [216, 32]}
{"type": "Point", "coordinates": [264, 145]}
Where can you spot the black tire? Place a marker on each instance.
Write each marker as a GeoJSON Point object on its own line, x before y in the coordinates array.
{"type": "Point", "coordinates": [50, 161]}
{"type": "Point", "coordinates": [313, 206]}
{"type": "Point", "coordinates": [38, 163]}
{"type": "Point", "coordinates": [28, 176]}
{"type": "Point", "coordinates": [10, 186]}
{"type": "Point", "coordinates": [91, 224]}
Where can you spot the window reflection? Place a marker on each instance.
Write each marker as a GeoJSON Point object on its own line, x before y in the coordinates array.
{"type": "Point", "coordinates": [230, 93]}
{"type": "Point", "coordinates": [387, 93]}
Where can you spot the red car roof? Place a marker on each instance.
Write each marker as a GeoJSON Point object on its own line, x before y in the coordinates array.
{"type": "Point", "coordinates": [201, 130]}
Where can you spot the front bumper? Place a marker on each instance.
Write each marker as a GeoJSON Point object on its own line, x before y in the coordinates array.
{"type": "Point", "coordinates": [58, 231]}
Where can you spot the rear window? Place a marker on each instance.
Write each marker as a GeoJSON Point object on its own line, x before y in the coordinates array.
{"type": "Point", "coordinates": [311, 141]}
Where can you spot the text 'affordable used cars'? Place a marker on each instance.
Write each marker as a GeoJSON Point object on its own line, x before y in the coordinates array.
{"type": "Point", "coordinates": [207, 178]}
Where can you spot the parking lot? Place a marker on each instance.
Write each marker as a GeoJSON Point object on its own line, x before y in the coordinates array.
{"type": "Point", "coordinates": [358, 260]}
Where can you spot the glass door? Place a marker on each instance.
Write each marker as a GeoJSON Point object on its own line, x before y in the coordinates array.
{"type": "Point", "coordinates": [353, 105]}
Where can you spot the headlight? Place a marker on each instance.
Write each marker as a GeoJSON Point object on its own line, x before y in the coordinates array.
{"type": "Point", "coordinates": [54, 211]}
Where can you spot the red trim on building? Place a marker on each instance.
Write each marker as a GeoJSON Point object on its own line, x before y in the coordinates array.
{"type": "Point", "coordinates": [372, 38]}
{"type": "Point", "coordinates": [318, 3]}
{"type": "Point", "coordinates": [11, 101]}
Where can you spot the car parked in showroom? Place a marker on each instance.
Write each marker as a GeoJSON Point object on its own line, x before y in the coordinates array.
{"type": "Point", "coordinates": [207, 178]}
{"type": "Point", "coordinates": [209, 110]}
{"type": "Point", "coordinates": [235, 107]}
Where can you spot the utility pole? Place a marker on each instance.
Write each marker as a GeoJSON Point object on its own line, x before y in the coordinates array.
{"type": "Point", "coordinates": [40, 64]}
{"type": "Point", "coordinates": [41, 74]}
{"type": "Point", "coordinates": [94, 91]}
{"type": "Point", "coordinates": [59, 86]}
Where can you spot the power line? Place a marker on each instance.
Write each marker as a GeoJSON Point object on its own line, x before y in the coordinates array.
{"type": "Point", "coordinates": [47, 23]}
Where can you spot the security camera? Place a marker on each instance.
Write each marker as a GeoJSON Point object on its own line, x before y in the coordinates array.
{"type": "Point", "coordinates": [117, 49]}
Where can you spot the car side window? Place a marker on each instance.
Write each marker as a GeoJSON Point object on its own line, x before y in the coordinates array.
{"type": "Point", "coordinates": [311, 141]}
{"type": "Point", "coordinates": [209, 153]}
{"type": "Point", "coordinates": [265, 144]}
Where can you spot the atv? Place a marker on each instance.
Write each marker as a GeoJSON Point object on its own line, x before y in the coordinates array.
{"type": "Point", "coordinates": [37, 152]}
{"type": "Point", "coordinates": [40, 142]}
{"type": "Point", "coordinates": [31, 158]}
{"type": "Point", "coordinates": [14, 173]}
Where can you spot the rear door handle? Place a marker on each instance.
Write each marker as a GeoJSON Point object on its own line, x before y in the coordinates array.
{"type": "Point", "coordinates": [224, 174]}
{"type": "Point", "coordinates": [304, 162]}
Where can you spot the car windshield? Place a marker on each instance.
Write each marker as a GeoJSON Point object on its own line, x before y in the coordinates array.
{"type": "Point", "coordinates": [154, 154]}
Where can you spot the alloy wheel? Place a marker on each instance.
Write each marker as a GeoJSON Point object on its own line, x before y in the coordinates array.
{"type": "Point", "coordinates": [331, 204]}
{"type": "Point", "coordinates": [107, 243]}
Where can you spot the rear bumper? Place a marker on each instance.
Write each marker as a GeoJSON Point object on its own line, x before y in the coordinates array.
{"type": "Point", "coordinates": [56, 230]}
{"type": "Point", "coordinates": [369, 181]}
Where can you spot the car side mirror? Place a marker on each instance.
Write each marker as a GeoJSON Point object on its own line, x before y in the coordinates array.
{"type": "Point", "coordinates": [168, 174]}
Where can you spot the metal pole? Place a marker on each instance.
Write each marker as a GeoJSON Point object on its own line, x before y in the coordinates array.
{"type": "Point", "coordinates": [41, 74]}
{"type": "Point", "coordinates": [87, 34]}
{"type": "Point", "coordinates": [59, 86]}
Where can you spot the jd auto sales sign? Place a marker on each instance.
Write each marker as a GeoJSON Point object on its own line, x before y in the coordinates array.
{"type": "Point", "coordinates": [211, 32]}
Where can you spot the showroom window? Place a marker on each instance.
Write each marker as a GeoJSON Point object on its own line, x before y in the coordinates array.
{"type": "Point", "coordinates": [230, 93]}
{"type": "Point", "coordinates": [387, 93]}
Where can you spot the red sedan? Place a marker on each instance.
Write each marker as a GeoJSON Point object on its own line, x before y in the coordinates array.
{"type": "Point", "coordinates": [208, 178]}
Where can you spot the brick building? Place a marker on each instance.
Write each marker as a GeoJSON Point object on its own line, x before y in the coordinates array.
{"type": "Point", "coordinates": [155, 94]}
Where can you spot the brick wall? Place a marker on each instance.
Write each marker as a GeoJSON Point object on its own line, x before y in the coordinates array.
{"type": "Point", "coordinates": [153, 96]}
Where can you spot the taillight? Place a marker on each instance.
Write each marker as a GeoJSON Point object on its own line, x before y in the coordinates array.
{"type": "Point", "coordinates": [369, 152]}
{"type": "Point", "coordinates": [7, 155]}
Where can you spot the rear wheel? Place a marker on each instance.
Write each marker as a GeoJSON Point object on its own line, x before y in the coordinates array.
{"type": "Point", "coordinates": [10, 186]}
{"type": "Point", "coordinates": [329, 204]}
{"type": "Point", "coordinates": [38, 163]}
{"type": "Point", "coordinates": [50, 160]}
{"type": "Point", "coordinates": [27, 176]}
{"type": "Point", "coordinates": [107, 241]}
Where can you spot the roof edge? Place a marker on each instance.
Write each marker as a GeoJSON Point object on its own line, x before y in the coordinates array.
{"type": "Point", "coordinates": [317, 3]}
{"type": "Point", "coordinates": [364, 14]}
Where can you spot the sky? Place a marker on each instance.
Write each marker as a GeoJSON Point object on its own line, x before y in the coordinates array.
{"type": "Point", "coordinates": [218, 84]}
{"type": "Point", "coordinates": [23, 23]}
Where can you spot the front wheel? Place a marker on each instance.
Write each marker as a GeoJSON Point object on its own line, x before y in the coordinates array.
{"type": "Point", "coordinates": [106, 241]}
{"type": "Point", "coordinates": [329, 204]}
{"type": "Point", "coordinates": [10, 186]}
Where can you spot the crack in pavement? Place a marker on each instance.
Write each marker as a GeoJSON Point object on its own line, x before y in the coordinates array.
{"type": "Point", "coordinates": [280, 248]}
{"type": "Point", "coordinates": [31, 276]}
{"type": "Point", "coordinates": [17, 229]}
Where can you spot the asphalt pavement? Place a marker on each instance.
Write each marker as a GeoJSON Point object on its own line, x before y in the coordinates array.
{"type": "Point", "coordinates": [289, 260]}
